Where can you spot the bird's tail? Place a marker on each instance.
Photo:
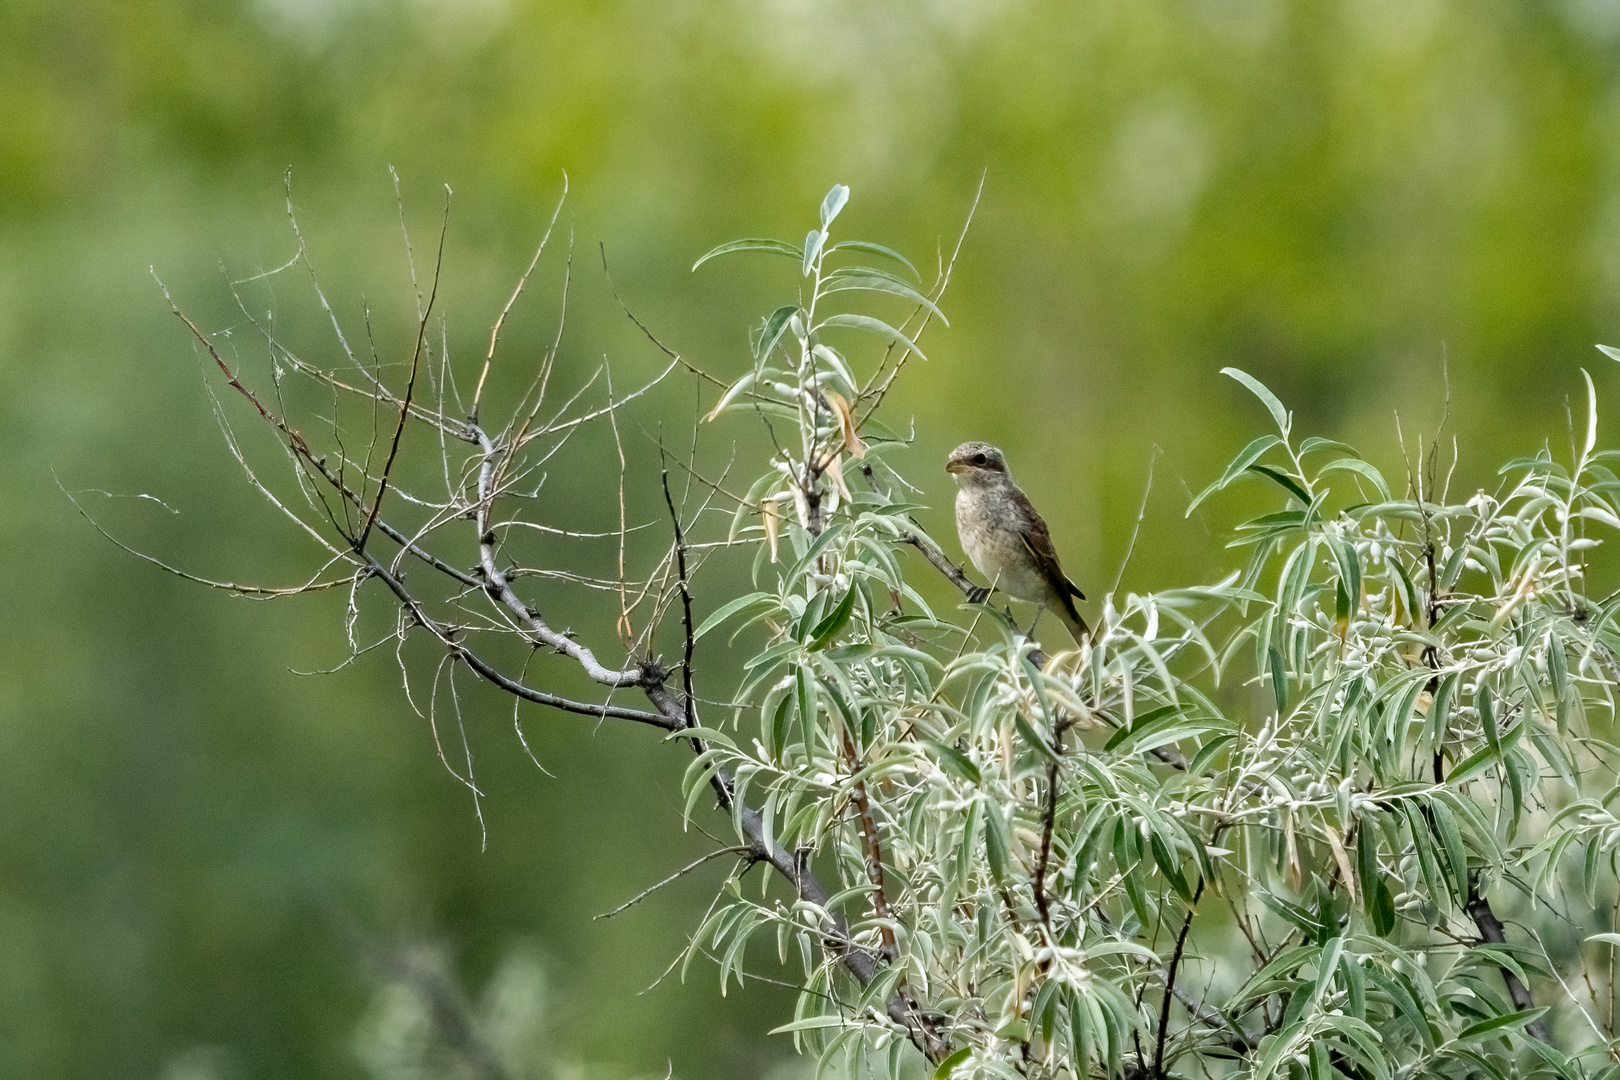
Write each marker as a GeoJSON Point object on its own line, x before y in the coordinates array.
{"type": "Point", "coordinates": [1071, 618]}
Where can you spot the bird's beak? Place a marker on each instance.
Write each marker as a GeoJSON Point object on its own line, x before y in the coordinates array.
{"type": "Point", "coordinates": [955, 467]}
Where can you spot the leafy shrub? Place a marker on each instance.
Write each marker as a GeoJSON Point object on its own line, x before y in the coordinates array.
{"type": "Point", "coordinates": [1256, 826]}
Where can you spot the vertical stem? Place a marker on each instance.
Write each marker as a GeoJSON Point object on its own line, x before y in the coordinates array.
{"type": "Point", "coordinates": [1170, 981]}
{"type": "Point", "coordinates": [874, 853]}
{"type": "Point", "coordinates": [686, 603]}
{"type": "Point", "coordinates": [1047, 826]}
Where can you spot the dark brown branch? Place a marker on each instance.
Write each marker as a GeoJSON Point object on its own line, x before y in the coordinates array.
{"type": "Point", "coordinates": [1048, 823]}
{"type": "Point", "coordinates": [1170, 981]}
{"type": "Point", "coordinates": [686, 596]}
{"type": "Point", "coordinates": [872, 844]}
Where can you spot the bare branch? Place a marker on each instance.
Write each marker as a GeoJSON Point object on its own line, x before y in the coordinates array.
{"type": "Point", "coordinates": [677, 875]}
{"type": "Point", "coordinates": [686, 601]}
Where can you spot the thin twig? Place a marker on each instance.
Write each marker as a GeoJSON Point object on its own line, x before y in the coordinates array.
{"type": "Point", "coordinates": [1141, 512]}
{"type": "Point", "coordinates": [410, 384]}
{"type": "Point", "coordinates": [686, 599]}
{"type": "Point", "coordinates": [1170, 980]}
{"type": "Point", "coordinates": [495, 334]}
{"type": "Point", "coordinates": [735, 849]}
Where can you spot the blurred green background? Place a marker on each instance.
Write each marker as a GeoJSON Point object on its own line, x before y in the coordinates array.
{"type": "Point", "coordinates": [195, 841]}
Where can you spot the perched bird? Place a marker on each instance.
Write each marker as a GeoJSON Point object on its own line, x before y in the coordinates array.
{"type": "Point", "coordinates": [1006, 538]}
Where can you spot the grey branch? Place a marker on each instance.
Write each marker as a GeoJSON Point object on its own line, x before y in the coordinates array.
{"type": "Point", "coordinates": [651, 678]}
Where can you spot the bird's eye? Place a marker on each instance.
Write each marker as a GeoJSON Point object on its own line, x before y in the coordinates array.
{"type": "Point", "coordinates": [979, 459]}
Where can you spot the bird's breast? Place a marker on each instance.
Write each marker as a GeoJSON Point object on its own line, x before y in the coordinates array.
{"type": "Point", "coordinates": [989, 529]}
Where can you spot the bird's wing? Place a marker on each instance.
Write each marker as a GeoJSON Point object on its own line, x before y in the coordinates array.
{"type": "Point", "coordinates": [1038, 540]}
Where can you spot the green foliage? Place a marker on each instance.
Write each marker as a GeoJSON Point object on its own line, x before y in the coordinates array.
{"type": "Point", "coordinates": [1294, 792]}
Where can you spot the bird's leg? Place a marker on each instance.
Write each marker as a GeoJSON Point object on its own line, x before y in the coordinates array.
{"type": "Point", "coordinates": [978, 594]}
{"type": "Point", "coordinates": [1040, 609]}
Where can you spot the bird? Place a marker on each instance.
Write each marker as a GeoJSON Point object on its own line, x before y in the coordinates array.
{"type": "Point", "coordinates": [1006, 539]}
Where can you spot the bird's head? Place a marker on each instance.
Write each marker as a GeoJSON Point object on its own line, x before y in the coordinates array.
{"type": "Point", "coordinates": [976, 463]}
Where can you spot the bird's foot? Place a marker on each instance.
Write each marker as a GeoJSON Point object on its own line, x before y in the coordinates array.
{"type": "Point", "coordinates": [978, 594]}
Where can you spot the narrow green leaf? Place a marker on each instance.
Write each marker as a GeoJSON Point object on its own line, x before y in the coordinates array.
{"type": "Point", "coordinates": [775, 247]}
{"type": "Point", "coordinates": [1428, 862]}
{"type": "Point", "coordinates": [1033, 737]}
{"type": "Point", "coordinates": [834, 622]}
{"type": "Point", "coordinates": [1445, 826]}
{"type": "Point", "coordinates": [1245, 457]}
{"type": "Point", "coordinates": [883, 283]}
{"type": "Point", "coordinates": [1487, 721]}
{"type": "Point", "coordinates": [1258, 389]}
{"type": "Point", "coordinates": [810, 1023]}
{"type": "Point", "coordinates": [1366, 860]}
{"type": "Point", "coordinates": [781, 717]}
{"type": "Point", "coordinates": [954, 761]}
{"type": "Point", "coordinates": [875, 249]}
{"type": "Point", "coordinates": [831, 205]}
{"type": "Point", "coordinates": [1361, 468]}
{"type": "Point", "coordinates": [776, 323]}
{"type": "Point", "coordinates": [1499, 1023]}
{"type": "Point", "coordinates": [949, 1065]}
{"type": "Point", "coordinates": [1591, 420]}
{"type": "Point", "coordinates": [727, 610]}
{"type": "Point", "coordinates": [1517, 773]}
{"type": "Point", "coordinates": [1320, 1067]}
{"type": "Point", "coordinates": [1355, 987]}
{"type": "Point", "coordinates": [871, 326]}
{"type": "Point", "coordinates": [828, 536]}
{"type": "Point", "coordinates": [1141, 722]}
{"type": "Point", "coordinates": [1207, 753]}
{"type": "Point", "coordinates": [807, 700]}
{"type": "Point", "coordinates": [1287, 482]}
{"type": "Point", "coordinates": [1383, 909]}
{"type": "Point", "coordinates": [1474, 763]}
{"type": "Point", "coordinates": [1279, 680]}
{"type": "Point", "coordinates": [1327, 962]}
{"type": "Point", "coordinates": [995, 842]}
{"type": "Point", "coordinates": [812, 247]}
{"type": "Point", "coordinates": [1169, 866]}
{"type": "Point", "coordinates": [1282, 1043]}
{"type": "Point", "coordinates": [1316, 442]}
{"type": "Point", "coordinates": [1169, 729]}
{"type": "Point", "coordinates": [1405, 1002]}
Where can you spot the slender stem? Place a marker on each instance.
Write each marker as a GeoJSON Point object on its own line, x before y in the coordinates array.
{"type": "Point", "coordinates": [686, 600]}
{"type": "Point", "coordinates": [1048, 823]}
{"type": "Point", "coordinates": [1170, 981]}
{"type": "Point", "coordinates": [873, 846]}
{"type": "Point", "coordinates": [410, 385]}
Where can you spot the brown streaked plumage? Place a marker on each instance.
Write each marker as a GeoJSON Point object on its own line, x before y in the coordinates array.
{"type": "Point", "coordinates": [1005, 538]}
